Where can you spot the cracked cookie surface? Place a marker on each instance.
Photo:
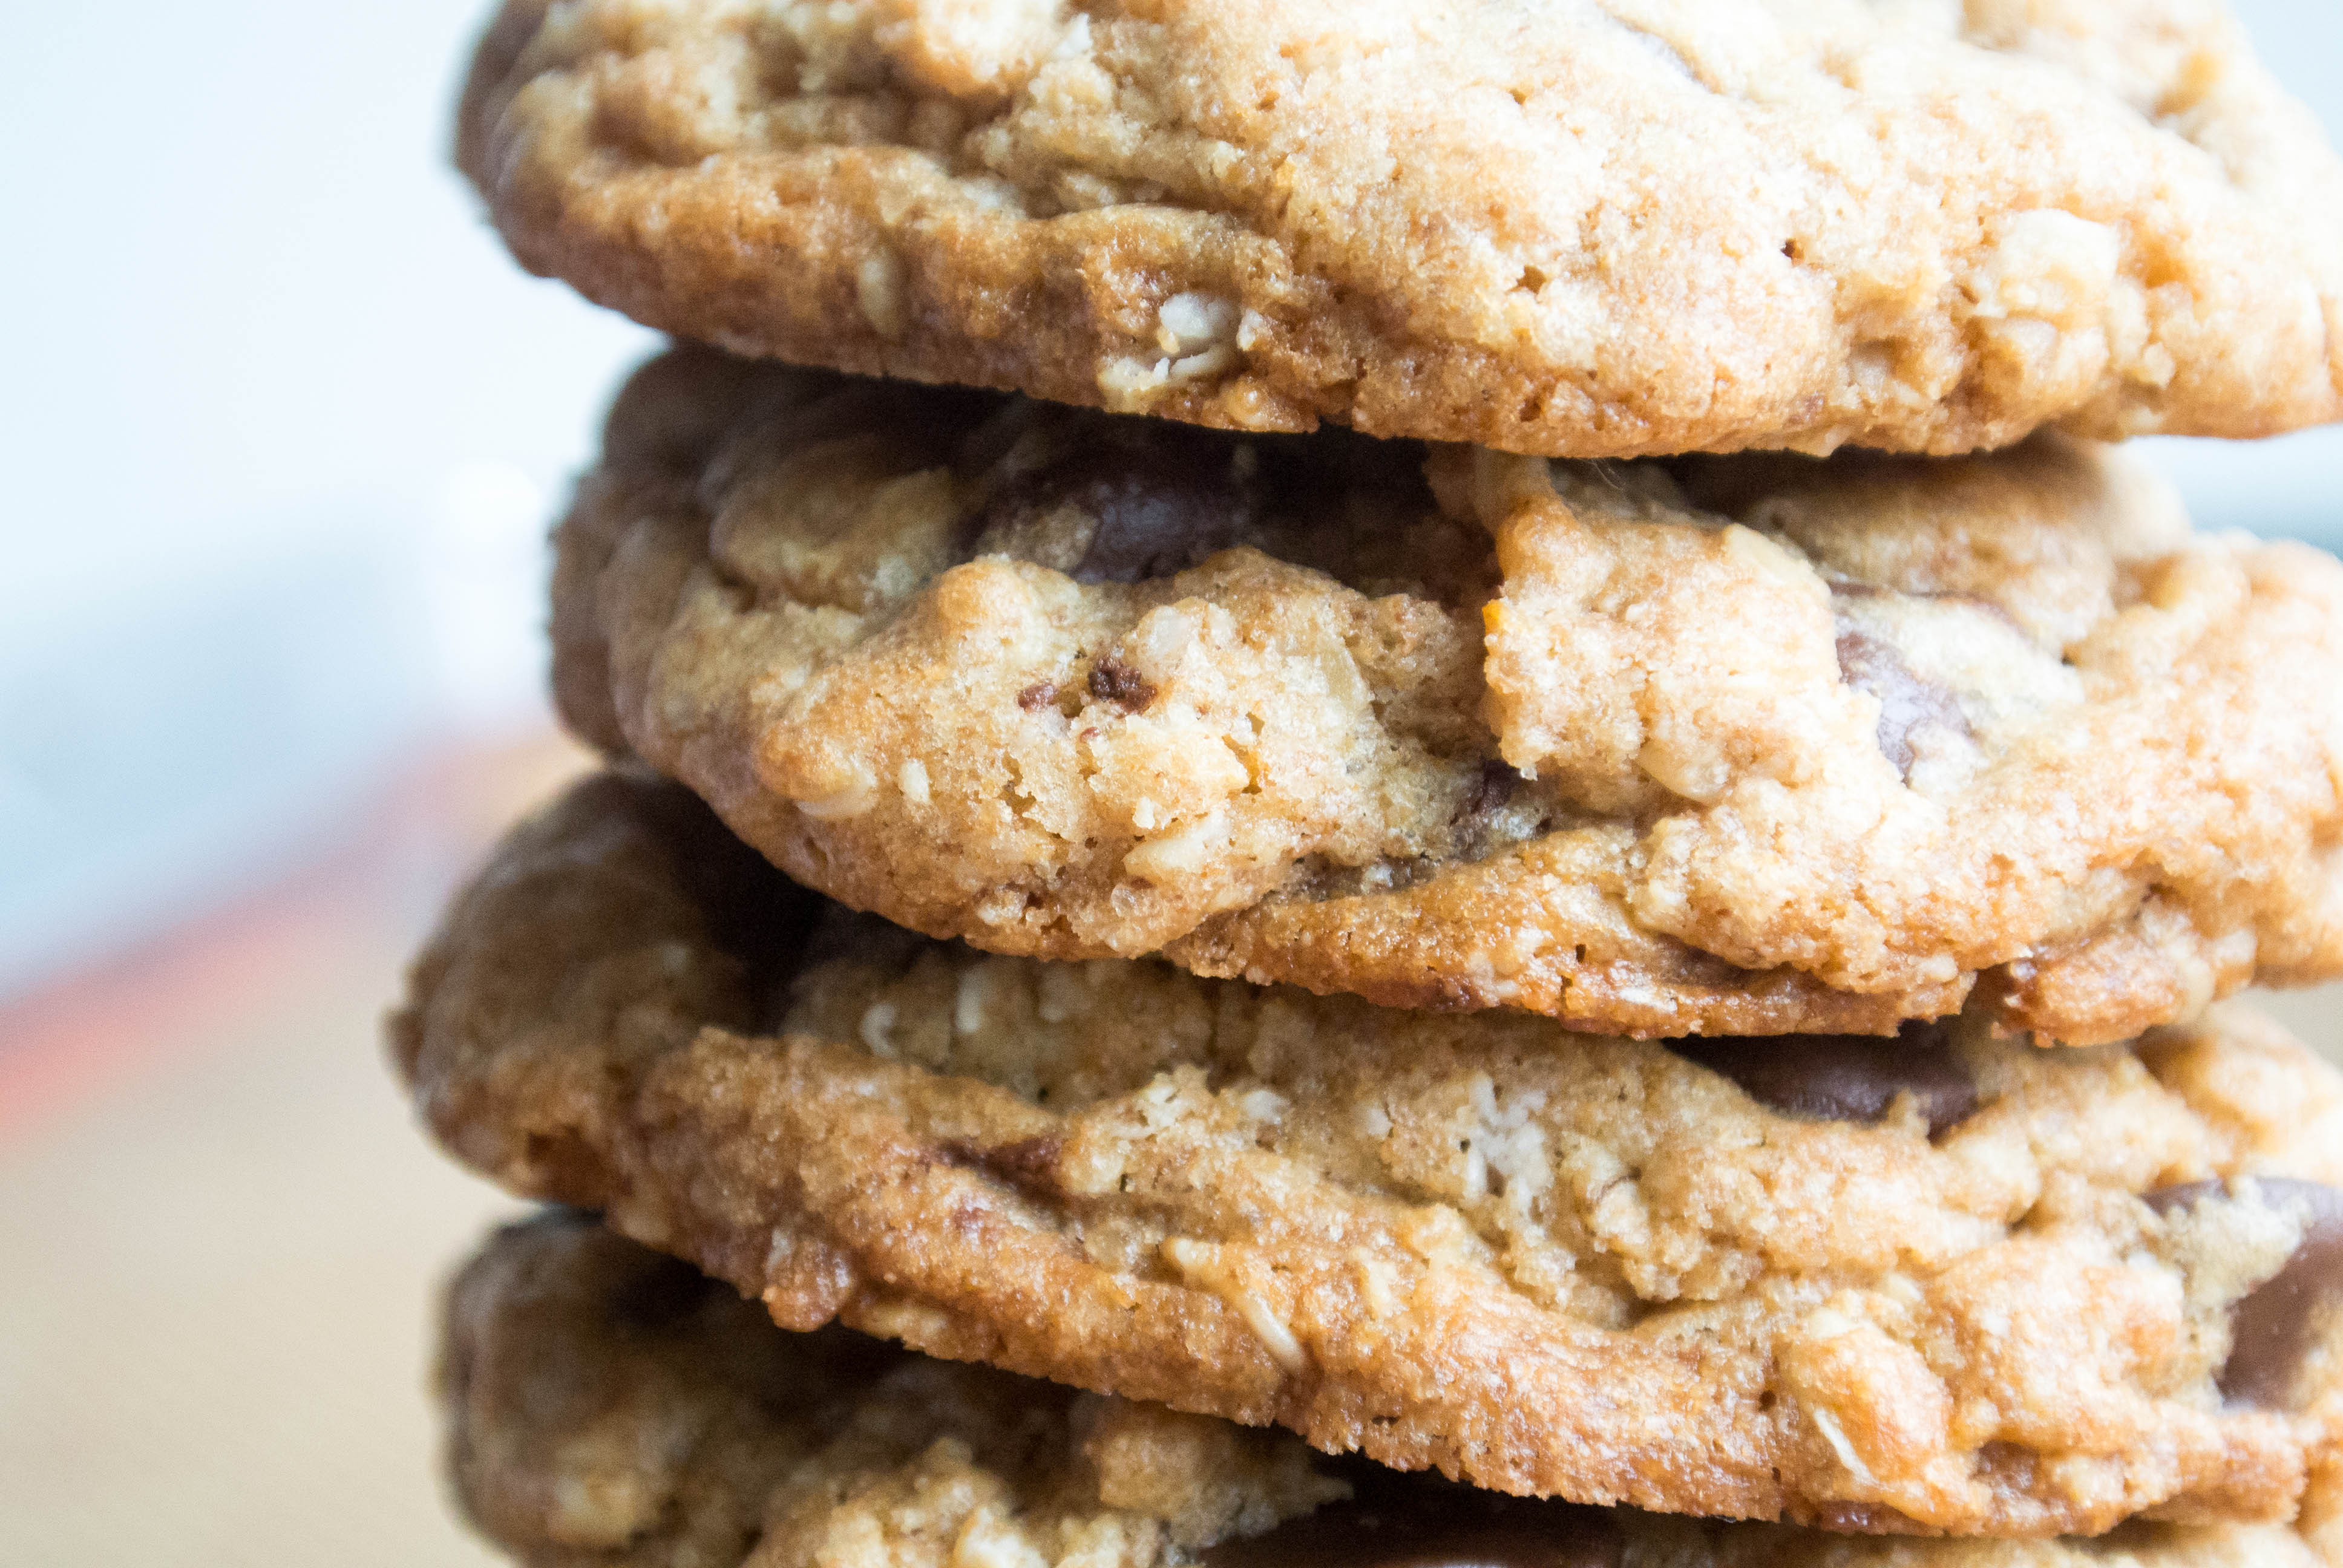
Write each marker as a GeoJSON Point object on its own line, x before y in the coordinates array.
{"type": "Point", "coordinates": [608, 1406]}
{"type": "Point", "coordinates": [1743, 745]}
{"type": "Point", "coordinates": [1620, 229]}
{"type": "Point", "coordinates": [1947, 1283]}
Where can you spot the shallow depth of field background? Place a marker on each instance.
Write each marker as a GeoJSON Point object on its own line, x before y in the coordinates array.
{"type": "Point", "coordinates": [283, 429]}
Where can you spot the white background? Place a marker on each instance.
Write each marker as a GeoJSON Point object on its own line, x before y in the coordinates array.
{"type": "Point", "coordinates": [282, 428]}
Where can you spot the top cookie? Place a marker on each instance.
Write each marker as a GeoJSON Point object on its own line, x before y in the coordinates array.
{"type": "Point", "coordinates": [1637, 226]}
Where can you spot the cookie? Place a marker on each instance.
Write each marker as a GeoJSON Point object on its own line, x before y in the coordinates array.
{"type": "Point", "coordinates": [1945, 1283]}
{"type": "Point", "coordinates": [1748, 745]}
{"type": "Point", "coordinates": [607, 1405]}
{"type": "Point", "coordinates": [1640, 227]}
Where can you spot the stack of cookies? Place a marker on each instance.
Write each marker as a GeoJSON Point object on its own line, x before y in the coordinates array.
{"type": "Point", "coordinates": [1407, 773]}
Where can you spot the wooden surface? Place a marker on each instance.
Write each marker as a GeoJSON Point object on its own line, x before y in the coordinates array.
{"type": "Point", "coordinates": [221, 1236]}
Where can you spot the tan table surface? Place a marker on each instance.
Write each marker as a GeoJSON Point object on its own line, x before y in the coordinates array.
{"type": "Point", "coordinates": [220, 1235]}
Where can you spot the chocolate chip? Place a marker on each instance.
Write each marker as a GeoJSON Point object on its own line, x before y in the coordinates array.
{"type": "Point", "coordinates": [2271, 1328]}
{"type": "Point", "coordinates": [1845, 1078]}
{"type": "Point", "coordinates": [1153, 501]}
{"type": "Point", "coordinates": [1038, 695]}
{"type": "Point", "coordinates": [1112, 680]}
{"type": "Point", "coordinates": [1907, 704]}
{"type": "Point", "coordinates": [1414, 1522]}
{"type": "Point", "coordinates": [1028, 1164]}
{"type": "Point", "coordinates": [2167, 1200]}
{"type": "Point", "coordinates": [1491, 789]}
{"type": "Point", "coordinates": [1447, 993]}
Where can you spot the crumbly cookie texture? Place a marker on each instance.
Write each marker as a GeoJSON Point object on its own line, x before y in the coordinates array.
{"type": "Point", "coordinates": [1741, 745]}
{"type": "Point", "coordinates": [608, 1406]}
{"type": "Point", "coordinates": [1631, 227]}
{"type": "Point", "coordinates": [1949, 1283]}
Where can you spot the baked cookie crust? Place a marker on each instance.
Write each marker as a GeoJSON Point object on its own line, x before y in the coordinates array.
{"type": "Point", "coordinates": [1745, 745]}
{"type": "Point", "coordinates": [1950, 1284]}
{"type": "Point", "coordinates": [1637, 227]}
{"type": "Point", "coordinates": [608, 1406]}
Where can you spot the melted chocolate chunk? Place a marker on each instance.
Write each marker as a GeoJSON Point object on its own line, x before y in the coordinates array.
{"type": "Point", "coordinates": [1491, 789]}
{"type": "Point", "coordinates": [1030, 1165]}
{"type": "Point", "coordinates": [1906, 703]}
{"type": "Point", "coordinates": [1447, 993]}
{"type": "Point", "coordinates": [1038, 695]}
{"type": "Point", "coordinates": [2167, 1200]}
{"type": "Point", "coordinates": [1845, 1078]}
{"type": "Point", "coordinates": [1418, 1521]}
{"type": "Point", "coordinates": [2271, 1328]}
{"type": "Point", "coordinates": [1112, 680]}
{"type": "Point", "coordinates": [1160, 502]}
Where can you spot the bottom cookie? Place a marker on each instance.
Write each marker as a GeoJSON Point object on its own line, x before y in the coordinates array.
{"type": "Point", "coordinates": [609, 1405]}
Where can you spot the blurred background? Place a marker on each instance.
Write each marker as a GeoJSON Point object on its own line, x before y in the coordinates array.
{"type": "Point", "coordinates": [282, 440]}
